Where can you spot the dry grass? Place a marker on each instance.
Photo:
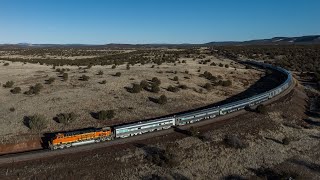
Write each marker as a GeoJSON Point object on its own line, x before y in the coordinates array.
{"type": "Point", "coordinates": [84, 97]}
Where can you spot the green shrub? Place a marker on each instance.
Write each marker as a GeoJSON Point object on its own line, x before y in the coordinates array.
{"type": "Point", "coordinates": [104, 82]}
{"type": "Point", "coordinates": [182, 86]}
{"type": "Point", "coordinates": [156, 81]}
{"type": "Point", "coordinates": [213, 64]}
{"type": "Point", "coordinates": [37, 122]}
{"type": "Point", "coordinates": [234, 142]}
{"type": "Point", "coordinates": [6, 64]}
{"type": "Point", "coordinates": [261, 109]}
{"type": "Point", "coordinates": [219, 83]}
{"type": "Point", "coordinates": [113, 66]}
{"type": "Point", "coordinates": [65, 76]}
{"type": "Point", "coordinates": [155, 88]}
{"type": "Point", "coordinates": [221, 65]}
{"type": "Point", "coordinates": [226, 66]}
{"type": "Point", "coordinates": [16, 90]}
{"type": "Point", "coordinates": [144, 84]}
{"type": "Point", "coordinates": [194, 131]}
{"type": "Point", "coordinates": [166, 158]}
{"type": "Point", "coordinates": [51, 80]}
{"type": "Point", "coordinates": [128, 67]}
{"type": "Point", "coordinates": [162, 99]}
{"type": "Point", "coordinates": [208, 86]}
{"type": "Point", "coordinates": [176, 78]}
{"type": "Point", "coordinates": [208, 76]}
{"type": "Point", "coordinates": [172, 89]}
{"type": "Point", "coordinates": [85, 78]}
{"type": "Point", "coordinates": [62, 71]}
{"type": "Point", "coordinates": [8, 84]}
{"type": "Point", "coordinates": [226, 83]}
{"type": "Point", "coordinates": [100, 72]}
{"type": "Point", "coordinates": [66, 118]}
{"type": "Point", "coordinates": [38, 87]}
{"type": "Point", "coordinates": [136, 88]}
{"type": "Point", "coordinates": [118, 74]}
{"type": "Point", "coordinates": [103, 115]}
{"type": "Point", "coordinates": [285, 141]}
{"type": "Point", "coordinates": [34, 89]}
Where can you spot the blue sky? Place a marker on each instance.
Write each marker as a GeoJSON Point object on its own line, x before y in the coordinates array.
{"type": "Point", "coordinates": [154, 21]}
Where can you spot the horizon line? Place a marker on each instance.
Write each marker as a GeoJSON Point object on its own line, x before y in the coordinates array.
{"type": "Point", "coordinates": [91, 44]}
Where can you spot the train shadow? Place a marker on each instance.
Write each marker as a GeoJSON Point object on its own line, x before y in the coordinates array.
{"type": "Point", "coordinates": [312, 122]}
{"type": "Point", "coordinates": [95, 115]}
{"type": "Point", "coordinates": [192, 132]}
{"type": "Point", "coordinates": [274, 140]}
{"type": "Point", "coordinates": [309, 165]}
{"type": "Point", "coordinates": [312, 114]}
{"type": "Point", "coordinates": [182, 131]}
{"type": "Point", "coordinates": [152, 99]}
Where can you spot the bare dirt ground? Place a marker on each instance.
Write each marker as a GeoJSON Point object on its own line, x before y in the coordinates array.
{"type": "Point", "coordinates": [85, 97]}
{"type": "Point", "coordinates": [181, 156]}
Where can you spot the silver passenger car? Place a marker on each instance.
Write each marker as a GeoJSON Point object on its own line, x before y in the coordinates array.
{"type": "Point", "coordinates": [199, 115]}
{"type": "Point", "coordinates": [143, 127]}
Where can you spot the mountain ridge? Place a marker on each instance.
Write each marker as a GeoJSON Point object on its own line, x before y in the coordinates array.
{"type": "Point", "coordinates": [310, 39]}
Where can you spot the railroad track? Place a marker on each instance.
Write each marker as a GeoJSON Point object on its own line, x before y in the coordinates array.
{"type": "Point", "coordinates": [40, 154]}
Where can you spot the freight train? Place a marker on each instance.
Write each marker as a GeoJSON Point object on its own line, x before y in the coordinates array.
{"type": "Point", "coordinates": [75, 138]}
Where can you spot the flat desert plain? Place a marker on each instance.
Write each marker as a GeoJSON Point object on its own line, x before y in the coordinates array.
{"type": "Point", "coordinates": [86, 97]}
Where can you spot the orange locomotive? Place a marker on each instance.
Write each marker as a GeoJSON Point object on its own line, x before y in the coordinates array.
{"type": "Point", "coordinates": [76, 138]}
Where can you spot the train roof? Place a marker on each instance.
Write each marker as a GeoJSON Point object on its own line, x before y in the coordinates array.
{"type": "Point", "coordinates": [143, 122]}
{"type": "Point", "coordinates": [82, 131]}
{"type": "Point", "coordinates": [215, 108]}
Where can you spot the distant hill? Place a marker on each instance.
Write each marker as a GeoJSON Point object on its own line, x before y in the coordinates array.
{"type": "Point", "coordinates": [315, 39]}
{"type": "Point", "coordinates": [312, 39]}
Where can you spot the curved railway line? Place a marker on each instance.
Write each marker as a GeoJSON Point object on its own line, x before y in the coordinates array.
{"type": "Point", "coordinates": [226, 111]}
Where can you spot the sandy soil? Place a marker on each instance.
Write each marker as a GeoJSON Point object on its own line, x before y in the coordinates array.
{"type": "Point", "coordinates": [85, 97]}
